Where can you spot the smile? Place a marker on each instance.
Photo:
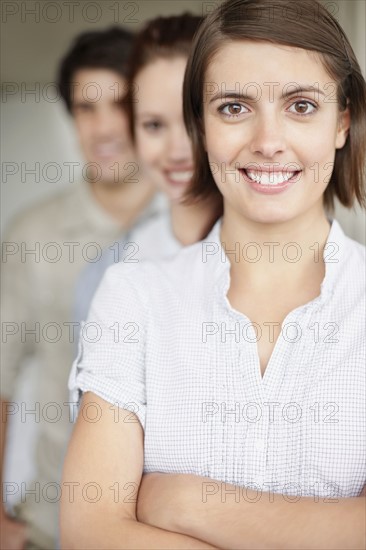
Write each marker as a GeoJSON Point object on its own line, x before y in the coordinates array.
{"type": "Point", "coordinates": [270, 181]}
{"type": "Point", "coordinates": [106, 150]}
{"type": "Point", "coordinates": [269, 178]}
{"type": "Point", "coordinates": [180, 176]}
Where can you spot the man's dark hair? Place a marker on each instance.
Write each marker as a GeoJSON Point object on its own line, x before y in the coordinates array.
{"type": "Point", "coordinates": [103, 49]}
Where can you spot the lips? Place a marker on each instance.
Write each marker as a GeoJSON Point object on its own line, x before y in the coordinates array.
{"type": "Point", "coordinates": [179, 176]}
{"type": "Point", "coordinates": [107, 150]}
{"type": "Point", "coordinates": [267, 181]}
{"type": "Point", "coordinates": [269, 178]}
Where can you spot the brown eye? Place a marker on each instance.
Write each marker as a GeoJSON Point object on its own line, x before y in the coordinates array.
{"type": "Point", "coordinates": [303, 108]}
{"type": "Point", "coordinates": [234, 109]}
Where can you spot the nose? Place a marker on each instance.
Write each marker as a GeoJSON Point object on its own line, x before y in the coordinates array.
{"type": "Point", "coordinates": [108, 122]}
{"type": "Point", "coordinates": [179, 147]}
{"type": "Point", "coordinates": [268, 136]}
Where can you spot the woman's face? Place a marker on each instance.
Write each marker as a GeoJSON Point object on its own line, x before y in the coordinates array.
{"type": "Point", "coordinates": [272, 127]}
{"type": "Point", "coordinates": [161, 139]}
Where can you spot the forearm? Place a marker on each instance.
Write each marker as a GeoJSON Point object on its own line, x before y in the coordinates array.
{"type": "Point", "coordinates": [103, 464]}
{"type": "Point", "coordinates": [140, 535]}
{"type": "Point", "coordinates": [114, 533]}
{"type": "Point", "coordinates": [232, 517]}
{"type": "Point", "coordinates": [273, 521]}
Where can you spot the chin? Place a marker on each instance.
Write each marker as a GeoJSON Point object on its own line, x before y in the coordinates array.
{"type": "Point", "coordinates": [270, 216]}
{"type": "Point", "coordinates": [174, 195]}
{"type": "Point", "coordinates": [109, 181]}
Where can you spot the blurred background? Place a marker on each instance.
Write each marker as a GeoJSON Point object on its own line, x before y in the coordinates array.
{"type": "Point", "coordinates": [38, 143]}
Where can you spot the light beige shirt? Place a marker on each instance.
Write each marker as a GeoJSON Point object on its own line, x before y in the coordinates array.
{"type": "Point", "coordinates": [42, 255]}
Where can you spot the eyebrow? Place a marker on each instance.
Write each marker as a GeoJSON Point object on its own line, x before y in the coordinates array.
{"type": "Point", "coordinates": [148, 114]}
{"type": "Point", "coordinates": [247, 97]}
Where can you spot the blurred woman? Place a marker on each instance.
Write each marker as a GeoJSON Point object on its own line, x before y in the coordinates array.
{"type": "Point", "coordinates": [154, 105]}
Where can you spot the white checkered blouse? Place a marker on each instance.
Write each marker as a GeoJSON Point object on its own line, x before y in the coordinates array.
{"type": "Point", "coordinates": [163, 341]}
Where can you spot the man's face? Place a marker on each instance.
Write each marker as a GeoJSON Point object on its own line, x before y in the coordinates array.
{"type": "Point", "coordinates": [101, 124]}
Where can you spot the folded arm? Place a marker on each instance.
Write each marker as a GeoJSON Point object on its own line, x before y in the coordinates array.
{"type": "Point", "coordinates": [101, 478]}
{"type": "Point", "coordinates": [233, 517]}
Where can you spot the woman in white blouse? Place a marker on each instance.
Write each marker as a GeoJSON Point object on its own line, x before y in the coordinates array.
{"type": "Point", "coordinates": [224, 400]}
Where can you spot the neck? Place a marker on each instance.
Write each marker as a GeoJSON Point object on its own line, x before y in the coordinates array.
{"type": "Point", "coordinates": [191, 222]}
{"type": "Point", "coordinates": [124, 200]}
{"type": "Point", "coordinates": [275, 252]}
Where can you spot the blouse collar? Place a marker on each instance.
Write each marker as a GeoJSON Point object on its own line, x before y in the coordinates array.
{"type": "Point", "coordinates": [334, 257]}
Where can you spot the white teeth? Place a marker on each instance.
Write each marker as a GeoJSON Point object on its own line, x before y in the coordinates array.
{"type": "Point", "coordinates": [180, 177]}
{"type": "Point", "coordinates": [269, 178]}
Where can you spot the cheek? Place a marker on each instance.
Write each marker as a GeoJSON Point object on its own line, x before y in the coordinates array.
{"type": "Point", "coordinates": [315, 151]}
{"type": "Point", "coordinates": [82, 128]}
{"type": "Point", "coordinates": [213, 143]}
{"type": "Point", "coordinates": [224, 143]}
{"type": "Point", "coordinates": [149, 149]}
{"type": "Point", "coordinates": [87, 131]}
{"type": "Point", "coordinates": [122, 122]}
{"type": "Point", "coordinates": [319, 151]}
{"type": "Point", "coordinates": [316, 141]}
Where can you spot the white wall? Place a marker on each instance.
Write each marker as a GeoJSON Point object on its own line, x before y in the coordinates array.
{"type": "Point", "coordinates": [35, 136]}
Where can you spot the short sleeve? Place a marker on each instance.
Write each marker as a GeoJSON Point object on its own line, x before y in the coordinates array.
{"type": "Point", "coordinates": [110, 360]}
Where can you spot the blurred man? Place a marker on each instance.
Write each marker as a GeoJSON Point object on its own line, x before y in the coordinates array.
{"type": "Point", "coordinates": [43, 253]}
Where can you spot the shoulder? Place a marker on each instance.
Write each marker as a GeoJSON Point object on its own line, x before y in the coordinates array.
{"type": "Point", "coordinates": [40, 218]}
{"type": "Point", "coordinates": [348, 254]}
{"type": "Point", "coordinates": [182, 273]}
{"type": "Point", "coordinates": [354, 260]}
{"type": "Point", "coordinates": [158, 222]}
{"type": "Point", "coordinates": [155, 238]}
{"type": "Point", "coordinates": [356, 251]}
{"type": "Point", "coordinates": [154, 227]}
{"type": "Point", "coordinates": [189, 276]}
{"type": "Point", "coordinates": [346, 265]}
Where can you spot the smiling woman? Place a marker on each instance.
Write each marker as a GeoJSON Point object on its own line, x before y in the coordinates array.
{"type": "Point", "coordinates": [154, 105]}
{"type": "Point", "coordinates": [161, 136]}
{"type": "Point", "coordinates": [247, 380]}
{"type": "Point", "coordinates": [318, 35]}
{"type": "Point", "coordinates": [275, 138]}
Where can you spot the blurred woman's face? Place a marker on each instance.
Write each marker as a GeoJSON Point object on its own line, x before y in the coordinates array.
{"type": "Point", "coordinates": [162, 142]}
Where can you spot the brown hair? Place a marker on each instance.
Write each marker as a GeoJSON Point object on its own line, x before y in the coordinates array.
{"type": "Point", "coordinates": [162, 37]}
{"type": "Point", "coordinates": [309, 26]}
{"type": "Point", "coordinates": [102, 49]}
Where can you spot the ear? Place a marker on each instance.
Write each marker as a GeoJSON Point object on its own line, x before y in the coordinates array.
{"type": "Point", "coordinates": [344, 124]}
